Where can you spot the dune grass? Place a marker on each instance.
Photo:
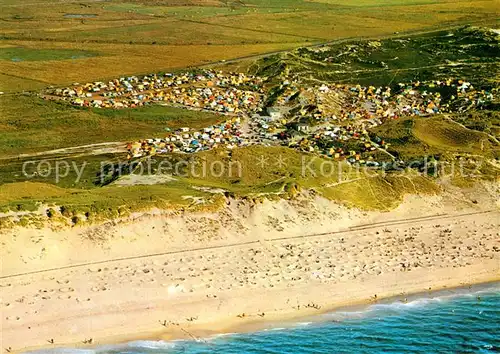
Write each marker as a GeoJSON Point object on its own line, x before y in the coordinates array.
{"type": "Point", "coordinates": [252, 172]}
{"type": "Point", "coordinates": [450, 136]}
{"type": "Point", "coordinates": [96, 204]}
{"type": "Point", "coordinates": [485, 121]}
{"type": "Point", "coordinates": [466, 52]}
{"type": "Point", "coordinates": [40, 46]}
{"type": "Point", "coordinates": [381, 192]}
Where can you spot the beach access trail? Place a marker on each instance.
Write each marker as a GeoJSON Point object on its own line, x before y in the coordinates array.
{"type": "Point", "coordinates": [154, 279]}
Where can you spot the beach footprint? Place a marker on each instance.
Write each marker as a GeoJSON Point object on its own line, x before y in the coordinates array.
{"type": "Point", "coordinates": [66, 290]}
{"type": "Point", "coordinates": [99, 288]}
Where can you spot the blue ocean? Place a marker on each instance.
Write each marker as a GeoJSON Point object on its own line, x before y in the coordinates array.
{"type": "Point", "coordinates": [457, 321]}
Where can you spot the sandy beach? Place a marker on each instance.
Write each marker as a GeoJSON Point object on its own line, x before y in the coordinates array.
{"type": "Point", "coordinates": [163, 276]}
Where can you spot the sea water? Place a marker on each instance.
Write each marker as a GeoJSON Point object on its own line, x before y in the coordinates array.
{"type": "Point", "coordinates": [457, 321]}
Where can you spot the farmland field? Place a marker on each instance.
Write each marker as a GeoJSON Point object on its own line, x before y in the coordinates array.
{"type": "Point", "coordinates": [18, 54]}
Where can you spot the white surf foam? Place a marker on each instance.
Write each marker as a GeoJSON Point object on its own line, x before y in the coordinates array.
{"type": "Point", "coordinates": [303, 324]}
{"type": "Point", "coordinates": [400, 305]}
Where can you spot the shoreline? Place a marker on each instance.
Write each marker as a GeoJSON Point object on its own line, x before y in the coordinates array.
{"type": "Point", "coordinates": [177, 279]}
{"type": "Point", "coordinates": [202, 334]}
{"type": "Point", "coordinates": [364, 305]}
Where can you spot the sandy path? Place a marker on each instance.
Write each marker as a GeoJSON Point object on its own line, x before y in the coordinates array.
{"type": "Point", "coordinates": [91, 149]}
{"type": "Point", "coordinates": [233, 285]}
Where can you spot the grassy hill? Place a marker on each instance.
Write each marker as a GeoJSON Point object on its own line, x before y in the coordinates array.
{"type": "Point", "coordinates": [193, 186]}
{"type": "Point", "coordinates": [414, 137]}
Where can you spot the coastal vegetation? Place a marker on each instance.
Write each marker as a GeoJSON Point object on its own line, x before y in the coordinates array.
{"type": "Point", "coordinates": [468, 52]}
{"type": "Point", "coordinates": [436, 136]}
{"type": "Point", "coordinates": [189, 189]}
{"type": "Point", "coordinates": [373, 46]}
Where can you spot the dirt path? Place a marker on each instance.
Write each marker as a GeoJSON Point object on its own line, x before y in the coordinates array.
{"type": "Point", "coordinates": [91, 149]}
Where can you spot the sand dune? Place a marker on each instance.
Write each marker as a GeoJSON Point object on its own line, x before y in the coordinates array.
{"type": "Point", "coordinates": [197, 276]}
